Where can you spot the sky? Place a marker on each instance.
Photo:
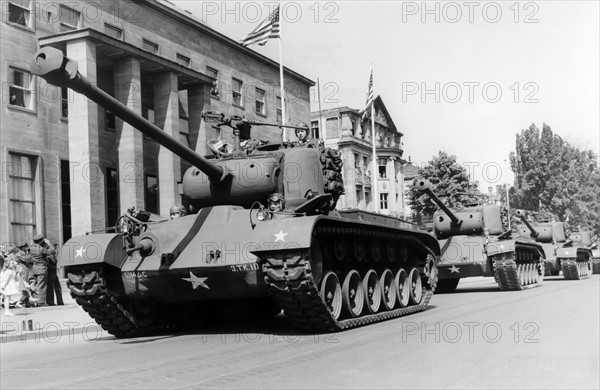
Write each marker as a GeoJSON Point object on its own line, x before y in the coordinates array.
{"type": "Point", "coordinates": [463, 77]}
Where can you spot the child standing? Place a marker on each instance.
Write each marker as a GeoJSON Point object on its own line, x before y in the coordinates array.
{"type": "Point", "coordinates": [8, 284]}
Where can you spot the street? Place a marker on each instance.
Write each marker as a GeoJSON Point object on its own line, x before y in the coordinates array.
{"type": "Point", "coordinates": [477, 337]}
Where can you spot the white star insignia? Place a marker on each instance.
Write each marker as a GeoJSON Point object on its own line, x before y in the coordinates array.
{"type": "Point", "coordinates": [280, 236]}
{"type": "Point", "coordinates": [196, 281]}
{"type": "Point", "coordinates": [79, 252]}
{"type": "Point", "coordinates": [454, 269]}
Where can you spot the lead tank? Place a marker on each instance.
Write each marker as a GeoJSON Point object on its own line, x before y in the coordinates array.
{"type": "Point", "coordinates": [474, 243]}
{"type": "Point", "coordinates": [572, 256]}
{"type": "Point", "coordinates": [327, 270]}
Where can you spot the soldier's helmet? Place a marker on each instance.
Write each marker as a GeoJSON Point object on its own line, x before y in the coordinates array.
{"type": "Point", "coordinates": [304, 127]}
{"type": "Point", "coordinates": [177, 211]}
{"type": "Point", "coordinates": [276, 201]}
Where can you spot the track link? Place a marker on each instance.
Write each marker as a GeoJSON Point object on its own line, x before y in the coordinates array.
{"type": "Point", "coordinates": [524, 271]}
{"type": "Point", "coordinates": [88, 288]}
{"type": "Point", "coordinates": [290, 281]}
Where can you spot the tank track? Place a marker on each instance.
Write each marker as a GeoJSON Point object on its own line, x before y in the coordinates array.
{"type": "Point", "coordinates": [290, 281]}
{"type": "Point", "coordinates": [578, 269]}
{"type": "Point", "coordinates": [519, 270]}
{"type": "Point", "coordinates": [88, 288]}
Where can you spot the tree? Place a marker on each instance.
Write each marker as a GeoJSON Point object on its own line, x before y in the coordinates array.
{"type": "Point", "coordinates": [448, 180]}
{"type": "Point", "coordinates": [555, 177]}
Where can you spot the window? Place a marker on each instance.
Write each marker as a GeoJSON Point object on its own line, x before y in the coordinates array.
{"type": "Point", "coordinates": [69, 18]}
{"type": "Point", "coordinates": [383, 201]}
{"type": "Point", "coordinates": [236, 88]}
{"type": "Point", "coordinates": [214, 91]}
{"type": "Point", "coordinates": [112, 197]}
{"type": "Point", "coordinates": [149, 46]}
{"type": "Point", "coordinates": [65, 186]}
{"type": "Point", "coordinates": [113, 31]}
{"type": "Point", "coordinates": [64, 112]}
{"type": "Point", "coordinates": [314, 127]}
{"type": "Point", "coordinates": [23, 194]}
{"type": "Point", "coordinates": [20, 88]}
{"type": "Point", "coordinates": [382, 168]}
{"type": "Point", "coordinates": [260, 102]}
{"type": "Point", "coordinates": [152, 194]}
{"type": "Point", "coordinates": [110, 121]}
{"type": "Point", "coordinates": [19, 12]}
{"type": "Point", "coordinates": [183, 60]}
{"type": "Point", "coordinates": [279, 114]}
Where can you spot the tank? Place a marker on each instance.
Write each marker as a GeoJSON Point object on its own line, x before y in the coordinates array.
{"type": "Point", "coordinates": [596, 257]}
{"type": "Point", "coordinates": [572, 256]}
{"type": "Point", "coordinates": [261, 237]}
{"type": "Point", "coordinates": [474, 242]}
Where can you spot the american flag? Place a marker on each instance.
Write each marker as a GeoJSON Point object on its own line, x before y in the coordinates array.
{"type": "Point", "coordinates": [268, 28]}
{"type": "Point", "coordinates": [369, 96]}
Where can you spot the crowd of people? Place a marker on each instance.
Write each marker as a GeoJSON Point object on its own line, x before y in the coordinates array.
{"type": "Point", "coordinates": [29, 276]}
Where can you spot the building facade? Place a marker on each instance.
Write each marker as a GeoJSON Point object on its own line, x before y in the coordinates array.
{"type": "Point", "coordinates": [69, 166]}
{"type": "Point", "coordinates": [346, 129]}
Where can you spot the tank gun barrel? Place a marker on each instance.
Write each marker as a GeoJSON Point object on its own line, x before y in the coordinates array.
{"type": "Point", "coordinates": [425, 186]}
{"type": "Point", "coordinates": [50, 64]}
{"type": "Point", "coordinates": [521, 215]}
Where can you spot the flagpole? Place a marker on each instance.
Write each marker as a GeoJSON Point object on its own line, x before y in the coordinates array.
{"type": "Point", "coordinates": [374, 151]}
{"type": "Point", "coordinates": [283, 134]}
{"type": "Point", "coordinates": [321, 128]}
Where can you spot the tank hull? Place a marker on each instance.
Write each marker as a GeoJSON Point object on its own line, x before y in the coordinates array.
{"type": "Point", "coordinates": [225, 254]}
{"type": "Point", "coordinates": [515, 263]}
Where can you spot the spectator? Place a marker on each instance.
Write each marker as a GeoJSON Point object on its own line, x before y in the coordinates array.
{"type": "Point", "coordinates": [53, 282]}
{"type": "Point", "coordinates": [8, 285]}
{"type": "Point", "coordinates": [40, 250]}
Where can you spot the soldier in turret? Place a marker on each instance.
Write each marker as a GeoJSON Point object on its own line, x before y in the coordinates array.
{"type": "Point", "coordinates": [302, 134]}
{"type": "Point", "coordinates": [276, 202]}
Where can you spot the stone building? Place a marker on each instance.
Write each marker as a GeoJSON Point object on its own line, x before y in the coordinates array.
{"type": "Point", "coordinates": [345, 130]}
{"type": "Point", "coordinates": [68, 165]}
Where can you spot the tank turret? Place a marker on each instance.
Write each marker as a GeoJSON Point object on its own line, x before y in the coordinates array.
{"type": "Point", "coordinates": [468, 221]}
{"type": "Point", "coordinates": [235, 175]}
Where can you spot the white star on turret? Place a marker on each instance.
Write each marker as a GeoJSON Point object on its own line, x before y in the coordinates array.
{"type": "Point", "coordinates": [196, 281]}
{"type": "Point", "coordinates": [79, 252]}
{"type": "Point", "coordinates": [454, 269]}
{"type": "Point", "coordinates": [280, 236]}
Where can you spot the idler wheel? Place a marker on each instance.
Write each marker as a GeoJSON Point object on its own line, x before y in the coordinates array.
{"type": "Point", "coordinates": [359, 249]}
{"type": "Point", "coordinates": [416, 288]}
{"type": "Point", "coordinates": [372, 290]}
{"type": "Point", "coordinates": [376, 250]}
{"type": "Point", "coordinates": [402, 285]}
{"type": "Point", "coordinates": [389, 290]}
{"type": "Point", "coordinates": [331, 294]}
{"type": "Point", "coordinates": [353, 294]}
{"type": "Point", "coordinates": [316, 261]}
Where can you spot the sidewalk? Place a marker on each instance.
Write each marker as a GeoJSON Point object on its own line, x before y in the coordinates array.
{"type": "Point", "coordinates": [48, 322]}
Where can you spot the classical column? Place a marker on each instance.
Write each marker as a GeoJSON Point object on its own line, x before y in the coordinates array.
{"type": "Point", "coordinates": [130, 142]}
{"type": "Point", "coordinates": [166, 116]}
{"type": "Point", "coordinates": [198, 101]}
{"type": "Point", "coordinates": [87, 176]}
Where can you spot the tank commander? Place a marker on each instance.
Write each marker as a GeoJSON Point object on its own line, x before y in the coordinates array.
{"type": "Point", "coordinates": [302, 134]}
{"type": "Point", "coordinates": [177, 211]}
